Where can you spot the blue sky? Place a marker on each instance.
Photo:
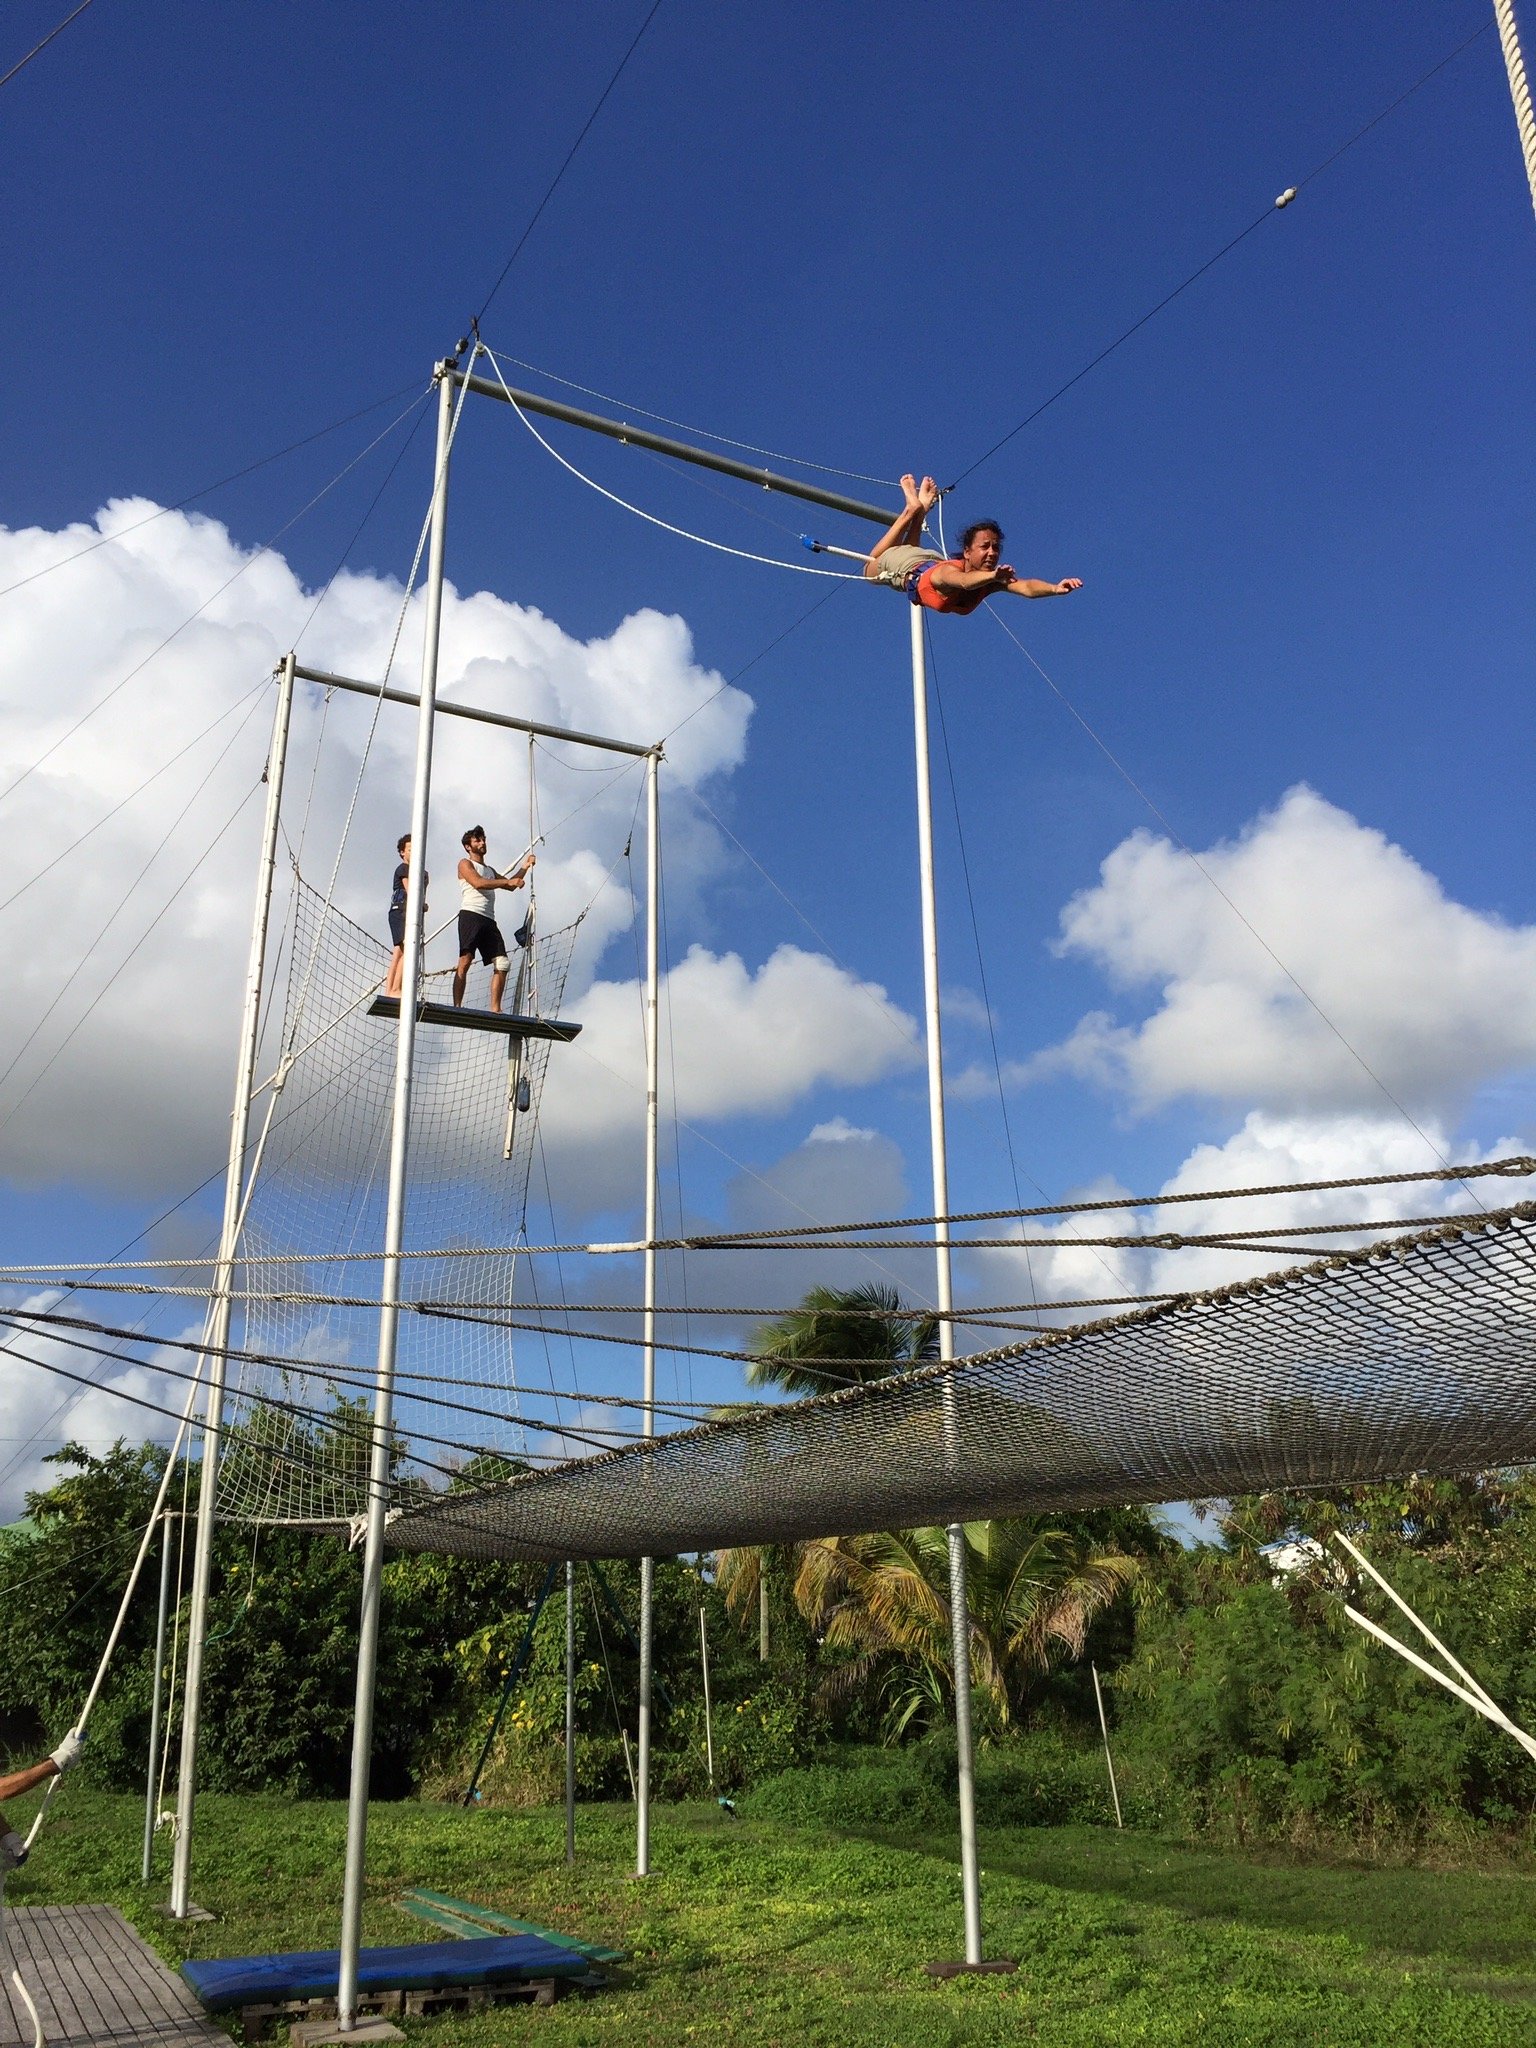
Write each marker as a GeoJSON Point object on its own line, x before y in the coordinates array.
{"type": "Point", "coordinates": [1300, 500]}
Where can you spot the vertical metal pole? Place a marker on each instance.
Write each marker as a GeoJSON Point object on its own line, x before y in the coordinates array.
{"type": "Point", "coordinates": [762, 1604]}
{"type": "Point", "coordinates": [217, 1339]}
{"type": "Point", "coordinates": [1519, 90]}
{"type": "Point", "coordinates": [156, 1695]}
{"type": "Point", "coordinates": [652, 1126]}
{"type": "Point", "coordinates": [394, 1240]}
{"type": "Point", "coordinates": [1114, 1790]}
{"type": "Point", "coordinates": [570, 1711]}
{"type": "Point", "coordinates": [958, 1608]}
{"type": "Point", "coordinates": [709, 1726]}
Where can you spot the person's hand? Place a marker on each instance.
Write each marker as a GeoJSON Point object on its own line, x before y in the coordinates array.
{"type": "Point", "coordinates": [13, 1851]}
{"type": "Point", "coordinates": [68, 1752]}
{"type": "Point", "coordinates": [1071, 583]}
{"type": "Point", "coordinates": [1002, 575]}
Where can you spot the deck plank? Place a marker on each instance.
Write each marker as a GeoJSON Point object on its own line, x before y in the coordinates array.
{"type": "Point", "coordinates": [98, 1984]}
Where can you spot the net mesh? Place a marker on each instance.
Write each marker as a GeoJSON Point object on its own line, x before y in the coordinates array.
{"type": "Point", "coordinates": [1415, 1355]}
{"type": "Point", "coordinates": [295, 1451]}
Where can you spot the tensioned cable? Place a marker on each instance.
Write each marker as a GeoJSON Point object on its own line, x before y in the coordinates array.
{"type": "Point", "coordinates": [704, 433]}
{"type": "Point", "coordinates": [1210, 263]}
{"type": "Point", "coordinates": [720, 547]}
{"type": "Point", "coordinates": [249, 562]}
{"type": "Point", "coordinates": [1185, 848]}
{"type": "Point", "coordinates": [570, 158]}
{"type": "Point", "coordinates": [339, 1376]}
{"type": "Point", "coordinates": [107, 540]}
{"type": "Point", "coordinates": [38, 48]}
{"type": "Point", "coordinates": [132, 954]}
{"type": "Point", "coordinates": [1512, 1168]}
{"type": "Point", "coordinates": [117, 910]}
{"type": "Point", "coordinates": [327, 1418]}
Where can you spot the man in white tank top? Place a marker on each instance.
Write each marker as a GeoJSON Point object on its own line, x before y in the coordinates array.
{"type": "Point", "coordinates": [478, 930]}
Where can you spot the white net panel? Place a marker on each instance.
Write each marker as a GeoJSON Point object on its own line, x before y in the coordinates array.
{"type": "Point", "coordinates": [320, 1189]}
{"type": "Point", "coordinates": [1415, 1355]}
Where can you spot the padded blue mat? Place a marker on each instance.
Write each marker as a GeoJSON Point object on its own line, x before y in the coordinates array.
{"type": "Point", "coordinates": [414, 1966]}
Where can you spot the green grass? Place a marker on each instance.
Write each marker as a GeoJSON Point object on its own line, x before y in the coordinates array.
{"type": "Point", "coordinates": [772, 1937]}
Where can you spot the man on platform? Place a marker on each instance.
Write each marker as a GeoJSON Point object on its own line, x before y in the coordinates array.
{"type": "Point", "coordinates": [478, 930]}
{"type": "Point", "coordinates": [963, 581]}
{"type": "Point", "coordinates": [397, 914]}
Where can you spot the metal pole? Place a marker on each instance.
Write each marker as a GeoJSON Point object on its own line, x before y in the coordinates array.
{"type": "Point", "coordinates": [394, 1240]}
{"type": "Point", "coordinates": [570, 1711]}
{"type": "Point", "coordinates": [958, 1606]}
{"type": "Point", "coordinates": [1519, 90]}
{"type": "Point", "coordinates": [219, 1308]}
{"type": "Point", "coordinates": [762, 1605]}
{"type": "Point", "coordinates": [652, 1087]}
{"type": "Point", "coordinates": [709, 1728]}
{"type": "Point", "coordinates": [156, 1695]}
{"type": "Point", "coordinates": [1114, 1790]}
{"type": "Point", "coordinates": [680, 451]}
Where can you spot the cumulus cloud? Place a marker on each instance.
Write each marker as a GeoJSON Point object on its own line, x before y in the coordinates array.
{"type": "Point", "coordinates": [1384, 975]}
{"type": "Point", "coordinates": [1265, 1151]}
{"type": "Point", "coordinates": [39, 1407]}
{"type": "Point", "coordinates": [125, 958]}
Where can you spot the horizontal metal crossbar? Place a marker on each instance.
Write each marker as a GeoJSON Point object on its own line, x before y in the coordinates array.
{"type": "Point", "coordinates": [446, 708]}
{"type": "Point", "coordinates": [680, 451]}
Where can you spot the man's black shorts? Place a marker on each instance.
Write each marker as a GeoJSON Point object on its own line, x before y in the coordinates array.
{"type": "Point", "coordinates": [480, 935]}
{"type": "Point", "coordinates": [397, 926]}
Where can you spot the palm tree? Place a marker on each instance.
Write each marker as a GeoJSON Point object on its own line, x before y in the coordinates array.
{"type": "Point", "coordinates": [1033, 1591]}
{"type": "Point", "coordinates": [863, 1333]}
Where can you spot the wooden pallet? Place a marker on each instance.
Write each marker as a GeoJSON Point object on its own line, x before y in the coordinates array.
{"type": "Point", "coordinates": [97, 1984]}
{"type": "Point", "coordinates": [257, 2021]}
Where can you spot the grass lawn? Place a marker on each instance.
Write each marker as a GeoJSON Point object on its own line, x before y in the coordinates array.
{"type": "Point", "coordinates": [762, 1934]}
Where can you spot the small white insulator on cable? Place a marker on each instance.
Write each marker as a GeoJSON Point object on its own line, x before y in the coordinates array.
{"type": "Point", "coordinates": [1286, 196]}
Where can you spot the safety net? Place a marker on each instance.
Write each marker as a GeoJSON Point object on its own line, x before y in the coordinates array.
{"type": "Point", "coordinates": [1418, 1354]}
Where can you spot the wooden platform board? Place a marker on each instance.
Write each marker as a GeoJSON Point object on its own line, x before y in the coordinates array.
{"type": "Point", "coordinates": [465, 1019]}
{"type": "Point", "coordinates": [97, 1984]}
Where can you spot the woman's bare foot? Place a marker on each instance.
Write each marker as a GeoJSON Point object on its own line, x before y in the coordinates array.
{"type": "Point", "coordinates": [927, 493]}
{"type": "Point", "coordinates": [910, 492]}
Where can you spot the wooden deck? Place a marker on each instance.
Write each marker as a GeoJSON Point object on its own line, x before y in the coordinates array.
{"type": "Point", "coordinates": [96, 1984]}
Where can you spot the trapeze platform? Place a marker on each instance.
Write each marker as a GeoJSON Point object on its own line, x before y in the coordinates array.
{"type": "Point", "coordinates": [506, 1022]}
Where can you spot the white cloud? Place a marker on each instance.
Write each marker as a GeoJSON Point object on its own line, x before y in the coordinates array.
{"type": "Point", "coordinates": [139, 1094]}
{"type": "Point", "coordinates": [837, 1131]}
{"type": "Point", "coordinates": [40, 1407]}
{"type": "Point", "coordinates": [1429, 995]}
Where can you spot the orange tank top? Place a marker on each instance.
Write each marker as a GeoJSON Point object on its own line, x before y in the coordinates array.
{"type": "Point", "coordinates": [921, 591]}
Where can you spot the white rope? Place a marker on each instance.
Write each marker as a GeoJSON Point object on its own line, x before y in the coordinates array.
{"type": "Point", "coordinates": [682, 532]}
{"type": "Point", "coordinates": [1519, 90]}
{"type": "Point", "coordinates": [8, 1964]}
{"type": "Point", "coordinates": [195, 1382]}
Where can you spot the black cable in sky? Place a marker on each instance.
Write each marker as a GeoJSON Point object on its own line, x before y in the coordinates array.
{"type": "Point", "coordinates": [1226, 250]}
{"type": "Point", "coordinates": [38, 48]}
{"type": "Point", "coordinates": [570, 158]}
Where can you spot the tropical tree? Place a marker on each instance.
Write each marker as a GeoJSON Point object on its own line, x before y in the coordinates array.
{"type": "Point", "coordinates": [882, 1602]}
{"type": "Point", "coordinates": [840, 1336]}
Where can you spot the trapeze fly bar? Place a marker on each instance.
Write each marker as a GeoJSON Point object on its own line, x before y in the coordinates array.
{"type": "Point", "coordinates": [680, 451]}
{"type": "Point", "coordinates": [444, 709]}
{"type": "Point", "coordinates": [479, 1020]}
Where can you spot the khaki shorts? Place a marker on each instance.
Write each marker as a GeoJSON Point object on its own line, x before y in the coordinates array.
{"type": "Point", "coordinates": [897, 564]}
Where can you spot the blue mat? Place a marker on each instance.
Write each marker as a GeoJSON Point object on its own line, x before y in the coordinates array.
{"type": "Point", "coordinates": [414, 1966]}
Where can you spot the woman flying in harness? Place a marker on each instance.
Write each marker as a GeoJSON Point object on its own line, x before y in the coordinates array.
{"type": "Point", "coordinates": [960, 582]}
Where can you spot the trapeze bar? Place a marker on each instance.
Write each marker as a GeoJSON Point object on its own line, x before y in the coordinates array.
{"type": "Point", "coordinates": [450, 710]}
{"type": "Point", "coordinates": [508, 1025]}
{"type": "Point", "coordinates": [680, 451]}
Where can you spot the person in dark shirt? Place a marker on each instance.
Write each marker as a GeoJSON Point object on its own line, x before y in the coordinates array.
{"type": "Point", "coordinates": [397, 915]}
